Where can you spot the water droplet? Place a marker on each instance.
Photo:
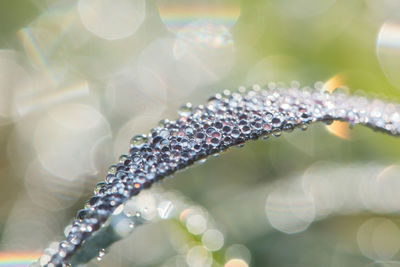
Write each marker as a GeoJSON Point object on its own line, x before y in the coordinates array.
{"type": "Point", "coordinates": [99, 187]}
{"type": "Point", "coordinates": [185, 110]}
{"type": "Point", "coordinates": [189, 130]}
{"type": "Point", "coordinates": [341, 90]}
{"type": "Point", "coordinates": [265, 136]}
{"type": "Point", "coordinates": [235, 133]}
{"type": "Point", "coordinates": [245, 129]}
{"type": "Point", "coordinates": [200, 136]}
{"type": "Point", "coordinates": [328, 120]}
{"type": "Point", "coordinates": [87, 205]}
{"type": "Point", "coordinates": [276, 122]}
{"type": "Point", "coordinates": [164, 133]}
{"type": "Point", "coordinates": [75, 238]}
{"type": "Point", "coordinates": [163, 123]}
{"type": "Point", "coordinates": [303, 126]}
{"type": "Point", "coordinates": [227, 120]}
{"type": "Point", "coordinates": [123, 158]}
{"type": "Point", "coordinates": [288, 127]}
{"type": "Point", "coordinates": [214, 141]}
{"type": "Point", "coordinates": [227, 129]}
{"type": "Point", "coordinates": [276, 132]}
{"type": "Point", "coordinates": [138, 140]}
{"type": "Point", "coordinates": [112, 170]}
{"type": "Point", "coordinates": [81, 214]}
{"type": "Point", "coordinates": [101, 254]}
{"type": "Point", "coordinates": [201, 161]}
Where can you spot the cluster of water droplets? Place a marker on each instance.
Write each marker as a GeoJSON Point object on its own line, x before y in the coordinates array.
{"type": "Point", "coordinates": [226, 120]}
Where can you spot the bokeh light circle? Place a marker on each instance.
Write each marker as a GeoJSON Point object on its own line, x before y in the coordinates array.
{"type": "Point", "coordinates": [13, 78]}
{"type": "Point", "coordinates": [136, 91]}
{"type": "Point", "coordinates": [199, 256]}
{"type": "Point", "coordinates": [290, 209]}
{"type": "Point", "coordinates": [176, 14]}
{"type": "Point", "coordinates": [112, 19]}
{"type": "Point", "coordinates": [236, 263]}
{"type": "Point", "coordinates": [379, 238]}
{"type": "Point", "coordinates": [388, 50]}
{"type": "Point", "coordinates": [64, 139]}
{"type": "Point", "coordinates": [207, 49]}
{"type": "Point", "coordinates": [213, 239]}
{"type": "Point", "coordinates": [238, 251]}
{"type": "Point", "coordinates": [51, 192]}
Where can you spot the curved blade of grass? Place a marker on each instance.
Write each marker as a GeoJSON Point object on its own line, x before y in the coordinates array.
{"type": "Point", "coordinates": [228, 119]}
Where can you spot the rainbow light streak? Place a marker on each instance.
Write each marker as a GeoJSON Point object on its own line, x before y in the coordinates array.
{"type": "Point", "coordinates": [60, 20]}
{"type": "Point", "coordinates": [53, 97]}
{"type": "Point", "coordinates": [18, 259]}
{"type": "Point", "coordinates": [35, 52]}
{"type": "Point", "coordinates": [176, 17]}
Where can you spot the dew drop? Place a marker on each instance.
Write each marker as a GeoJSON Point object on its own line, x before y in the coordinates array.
{"type": "Point", "coordinates": [303, 126]}
{"type": "Point", "coordinates": [163, 123]}
{"type": "Point", "coordinates": [288, 127]}
{"type": "Point", "coordinates": [235, 133]}
{"type": "Point", "coordinates": [123, 158]}
{"type": "Point", "coordinates": [138, 140]}
{"type": "Point", "coordinates": [214, 141]}
{"type": "Point", "coordinates": [265, 136]}
{"type": "Point", "coordinates": [164, 133]}
{"type": "Point", "coordinates": [328, 121]}
{"type": "Point", "coordinates": [87, 205]}
{"type": "Point", "coordinates": [81, 214]}
{"type": "Point", "coordinates": [226, 129]}
{"type": "Point", "coordinates": [202, 161]}
{"type": "Point", "coordinates": [227, 120]}
{"type": "Point", "coordinates": [340, 90]}
{"type": "Point", "coordinates": [99, 187]}
{"type": "Point", "coordinates": [185, 110]}
{"type": "Point", "coordinates": [101, 254]}
{"type": "Point", "coordinates": [189, 130]}
{"type": "Point", "coordinates": [112, 170]}
{"type": "Point", "coordinates": [276, 132]}
{"type": "Point", "coordinates": [75, 239]}
{"type": "Point", "coordinates": [276, 122]}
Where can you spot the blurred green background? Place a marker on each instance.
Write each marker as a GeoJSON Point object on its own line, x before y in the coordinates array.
{"type": "Point", "coordinates": [79, 78]}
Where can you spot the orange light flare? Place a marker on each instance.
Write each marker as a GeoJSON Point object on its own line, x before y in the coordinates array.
{"type": "Point", "coordinates": [338, 128]}
{"type": "Point", "coordinates": [236, 263]}
{"type": "Point", "coordinates": [184, 214]}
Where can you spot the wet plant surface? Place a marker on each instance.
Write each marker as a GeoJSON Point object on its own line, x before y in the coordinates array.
{"type": "Point", "coordinates": [226, 120]}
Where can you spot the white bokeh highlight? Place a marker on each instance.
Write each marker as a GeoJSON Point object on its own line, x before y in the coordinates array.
{"type": "Point", "coordinates": [388, 50]}
{"type": "Point", "coordinates": [378, 238]}
{"type": "Point", "coordinates": [112, 19]}
{"type": "Point", "coordinates": [64, 139]}
{"type": "Point", "coordinates": [290, 209]}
